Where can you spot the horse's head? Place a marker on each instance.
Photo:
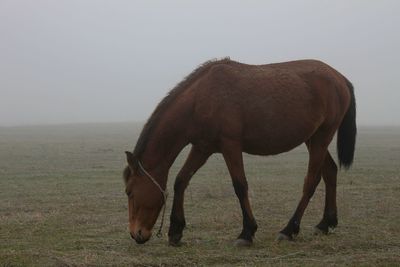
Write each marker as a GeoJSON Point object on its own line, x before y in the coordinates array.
{"type": "Point", "coordinates": [144, 200]}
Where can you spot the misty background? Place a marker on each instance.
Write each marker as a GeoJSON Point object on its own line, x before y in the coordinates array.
{"type": "Point", "coordinates": [76, 61]}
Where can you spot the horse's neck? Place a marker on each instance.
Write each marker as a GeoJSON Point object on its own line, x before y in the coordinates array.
{"type": "Point", "coordinates": [161, 151]}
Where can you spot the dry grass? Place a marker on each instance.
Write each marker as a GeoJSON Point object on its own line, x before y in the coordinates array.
{"type": "Point", "coordinates": [62, 203]}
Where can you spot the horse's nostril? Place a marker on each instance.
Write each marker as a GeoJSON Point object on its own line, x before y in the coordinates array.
{"type": "Point", "coordinates": [132, 235]}
{"type": "Point", "coordinates": [140, 233]}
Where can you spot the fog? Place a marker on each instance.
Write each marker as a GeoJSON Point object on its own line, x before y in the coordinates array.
{"type": "Point", "coordinates": [73, 61]}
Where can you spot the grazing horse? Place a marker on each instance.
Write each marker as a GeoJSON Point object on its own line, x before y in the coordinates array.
{"type": "Point", "coordinates": [229, 107]}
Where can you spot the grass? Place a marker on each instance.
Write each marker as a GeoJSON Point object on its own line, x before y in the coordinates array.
{"type": "Point", "coordinates": [62, 203]}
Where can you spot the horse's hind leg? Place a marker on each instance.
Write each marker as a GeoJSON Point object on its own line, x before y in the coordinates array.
{"type": "Point", "coordinates": [232, 152]}
{"type": "Point", "coordinates": [329, 174]}
{"type": "Point", "coordinates": [317, 147]}
{"type": "Point", "coordinates": [195, 160]}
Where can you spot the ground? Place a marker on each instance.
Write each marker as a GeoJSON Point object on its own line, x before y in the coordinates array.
{"type": "Point", "coordinates": [62, 203]}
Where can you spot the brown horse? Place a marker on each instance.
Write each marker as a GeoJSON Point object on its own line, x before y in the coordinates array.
{"type": "Point", "coordinates": [228, 107]}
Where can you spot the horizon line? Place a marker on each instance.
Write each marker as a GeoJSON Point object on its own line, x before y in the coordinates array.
{"type": "Point", "coordinates": [55, 124]}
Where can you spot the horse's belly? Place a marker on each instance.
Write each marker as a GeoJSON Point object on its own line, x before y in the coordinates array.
{"type": "Point", "coordinates": [270, 146]}
{"type": "Point", "coordinates": [266, 140]}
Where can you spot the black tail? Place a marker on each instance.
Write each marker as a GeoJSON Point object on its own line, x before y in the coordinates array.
{"type": "Point", "coordinates": [346, 137]}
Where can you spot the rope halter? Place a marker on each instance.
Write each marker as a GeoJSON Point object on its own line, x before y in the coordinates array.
{"type": "Point", "coordinates": [163, 192]}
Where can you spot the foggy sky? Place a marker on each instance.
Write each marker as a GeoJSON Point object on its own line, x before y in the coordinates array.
{"type": "Point", "coordinates": [70, 61]}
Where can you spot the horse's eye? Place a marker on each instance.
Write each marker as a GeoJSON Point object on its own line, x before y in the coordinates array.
{"type": "Point", "coordinates": [128, 192]}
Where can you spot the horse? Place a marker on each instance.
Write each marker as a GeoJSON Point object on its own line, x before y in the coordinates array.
{"type": "Point", "coordinates": [229, 107]}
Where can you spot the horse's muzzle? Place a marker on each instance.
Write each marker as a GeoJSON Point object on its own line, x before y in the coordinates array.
{"type": "Point", "coordinates": [139, 238]}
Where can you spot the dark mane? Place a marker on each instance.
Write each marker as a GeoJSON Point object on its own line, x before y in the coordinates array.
{"type": "Point", "coordinates": [163, 105]}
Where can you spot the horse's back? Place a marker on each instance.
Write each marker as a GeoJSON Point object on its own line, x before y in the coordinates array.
{"type": "Point", "coordinates": [269, 108]}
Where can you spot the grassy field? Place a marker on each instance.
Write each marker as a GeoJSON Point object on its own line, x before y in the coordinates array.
{"type": "Point", "coordinates": [62, 203]}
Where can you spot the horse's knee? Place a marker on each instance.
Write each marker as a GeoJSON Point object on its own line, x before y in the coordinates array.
{"type": "Point", "coordinates": [241, 188]}
{"type": "Point", "coordinates": [180, 184]}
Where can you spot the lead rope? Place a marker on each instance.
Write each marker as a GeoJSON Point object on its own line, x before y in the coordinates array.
{"type": "Point", "coordinates": [164, 193]}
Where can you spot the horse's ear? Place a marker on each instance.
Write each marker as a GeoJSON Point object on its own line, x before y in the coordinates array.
{"type": "Point", "coordinates": [131, 159]}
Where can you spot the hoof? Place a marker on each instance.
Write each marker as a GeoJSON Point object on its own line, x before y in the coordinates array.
{"type": "Point", "coordinates": [318, 231]}
{"type": "Point", "coordinates": [282, 237]}
{"type": "Point", "coordinates": [242, 243]}
{"type": "Point", "coordinates": [175, 240]}
{"type": "Point", "coordinates": [177, 243]}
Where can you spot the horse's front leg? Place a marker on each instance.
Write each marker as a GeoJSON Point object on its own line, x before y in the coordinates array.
{"type": "Point", "coordinates": [195, 160]}
{"type": "Point", "coordinates": [232, 153]}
